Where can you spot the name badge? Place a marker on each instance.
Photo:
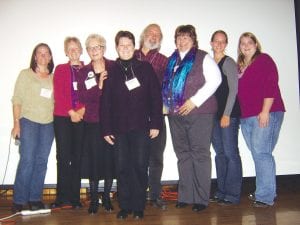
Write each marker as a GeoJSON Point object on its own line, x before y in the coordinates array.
{"type": "Point", "coordinates": [75, 86]}
{"type": "Point", "coordinates": [90, 83]}
{"type": "Point", "coordinates": [46, 93]}
{"type": "Point", "coordinates": [132, 84]}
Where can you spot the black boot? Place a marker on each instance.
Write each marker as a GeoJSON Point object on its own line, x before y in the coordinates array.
{"type": "Point", "coordinates": [106, 203]}
{"type": "Point", "coordinates": [94, 203]}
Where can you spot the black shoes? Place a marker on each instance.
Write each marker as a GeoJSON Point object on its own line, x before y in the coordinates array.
{"type": "Point", "coordinates": [36, 205]}
{"type": "Point", "coordinates": [123, 214]}
{"type": "Point", "coordinates": [195, 208]}
{"type": "Point", "coordinates": [138, 215]}
{"type": "Point", "coordinates": [94, 205]}
{"type": "Point", "coordinates": [198, 207]}
{"type": "Point", "coordinates": [251, 196]}
{"type": "Point", "coordinates": [258, 204]}
{"type": "Point", "coordinates": [76, 205]}
{"type": "Point", "coordinates": [225, 202]}
{"type": "Point", "coordinates": [55, 205]}
{"type": "Point", "coordinates": [58, 205]}
{"type": "Point", "coordinates": [180, 205]}
{"type": "Point", "coordinates": [214, 199]}
{"type": "Point", "coordinates": [107, 205]}
{"type": "Point", "coordinates": [16, 208]}
{"type": "Point", "coordinates": [93, 208]}
{"type": "Point", "coordinates": [32, 205]}
{"type": "Point", "coordinates": [159, 203]}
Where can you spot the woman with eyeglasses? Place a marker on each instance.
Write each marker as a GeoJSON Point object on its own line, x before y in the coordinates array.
{"type": "Point", "coordinates": [97, 158]}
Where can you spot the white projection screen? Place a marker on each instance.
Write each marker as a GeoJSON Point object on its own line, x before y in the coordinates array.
{"type": "Point", "coordinates": [25, 23]}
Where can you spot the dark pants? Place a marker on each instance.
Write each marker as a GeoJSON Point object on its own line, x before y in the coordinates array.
{"type": "Point", "coordinates": [68, 136]}
{"type": "Point", "coordinates": [156, 163]}
{"type": "Point", "coordinates": [132, 155]}
{"type": "Point", "coordinates": [191, 137]}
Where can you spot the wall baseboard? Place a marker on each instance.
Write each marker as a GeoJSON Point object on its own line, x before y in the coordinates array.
{"type": "Point", "coordinates": [284, 183]}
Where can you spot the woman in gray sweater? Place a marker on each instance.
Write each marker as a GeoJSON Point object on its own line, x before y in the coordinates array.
{"type": "Point", "coordinates": [226, 128]}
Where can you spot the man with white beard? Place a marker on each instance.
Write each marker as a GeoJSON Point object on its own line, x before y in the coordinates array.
{"type": "Point", "coordinates": [150, 42]}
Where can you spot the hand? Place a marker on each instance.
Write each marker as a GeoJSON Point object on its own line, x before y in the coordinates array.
{"type": "Point", "coordinates": [186, 108]}
{"type": "Point", "coordinates": [225, 121]}
{"type": "Point", "coordinates": [81, 111]}
{"type": "Point", "coordinates": [103, 76]}
{"type": "Point", "coordinates": [263, 119]}
{"type": "Point", "coordinates": [15, 132]}
{"type": "Point", "coordinates": [75, 116]}
{"type": "Point", "coordinates": [153, 133]}
{"type": "Point", "coordinates": [110, 139]}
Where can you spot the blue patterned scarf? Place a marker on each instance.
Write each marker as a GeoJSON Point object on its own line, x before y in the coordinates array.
{"type": "Point", "coordinates": [174, 81]}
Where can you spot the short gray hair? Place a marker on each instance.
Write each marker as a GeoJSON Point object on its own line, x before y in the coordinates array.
{"type": "Point", "coordinates": [98, 37]}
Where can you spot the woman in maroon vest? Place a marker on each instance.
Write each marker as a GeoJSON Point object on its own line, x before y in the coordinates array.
{"type": "Point", "coordinates": [190, 81]}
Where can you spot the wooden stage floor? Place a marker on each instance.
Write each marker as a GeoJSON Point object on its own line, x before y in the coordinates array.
{"type": "Point", "coordinates": [286, 211]}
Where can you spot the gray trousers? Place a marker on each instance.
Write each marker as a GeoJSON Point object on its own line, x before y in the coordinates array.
{"type": "Point", "coordinates": [191, 137]}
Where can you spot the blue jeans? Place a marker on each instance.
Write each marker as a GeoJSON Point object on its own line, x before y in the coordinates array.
{"type": "Point", "coordinates": [228, 160]}
{"type": "Point", "coordinates": [36, 141]}
{"type": "Point", "coordinates": [261, 142]}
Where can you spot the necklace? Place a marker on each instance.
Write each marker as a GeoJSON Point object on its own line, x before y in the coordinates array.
{"type": "Point", "coordinates": [76, 67]}
{"type": "Point", "coordinates": [124, 66]}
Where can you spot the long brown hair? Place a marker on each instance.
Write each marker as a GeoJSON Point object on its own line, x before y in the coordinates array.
{"type": "Point", "coordinates": [241, 57]}
{"type": "Point", "coordinates": [33, 64]}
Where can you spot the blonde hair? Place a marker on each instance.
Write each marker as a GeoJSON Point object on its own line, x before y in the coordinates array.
{"type": "Point", "coordinates": [97, 37]}
{"type": "Point", "coordinates": [70, 39]}
{"type": "Point", "coordinates": [241, 58]}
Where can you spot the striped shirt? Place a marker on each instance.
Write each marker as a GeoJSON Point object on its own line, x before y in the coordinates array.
{"type": "Point", "coordinates": [156, 59]}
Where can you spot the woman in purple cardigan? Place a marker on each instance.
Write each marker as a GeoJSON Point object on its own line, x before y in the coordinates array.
{"type": "Point", "coordinates": [97, 158]}
{"type": "Point", "coordinates": [131, 112]}
{"type": "Point", "coordinates": [262, 112]}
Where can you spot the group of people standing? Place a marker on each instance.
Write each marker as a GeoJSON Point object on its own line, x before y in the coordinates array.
{"type": "Point", "coordinates": [108, 119]}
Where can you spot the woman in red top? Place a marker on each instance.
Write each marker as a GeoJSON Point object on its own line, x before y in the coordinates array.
{"type": "Point", "coordinates": [262, 113]}
{"type": "Point", "coordinates": [68, 126]}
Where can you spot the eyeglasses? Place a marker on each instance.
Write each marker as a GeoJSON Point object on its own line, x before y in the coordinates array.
{"type": "Point", "coordinates": [96, 48]}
